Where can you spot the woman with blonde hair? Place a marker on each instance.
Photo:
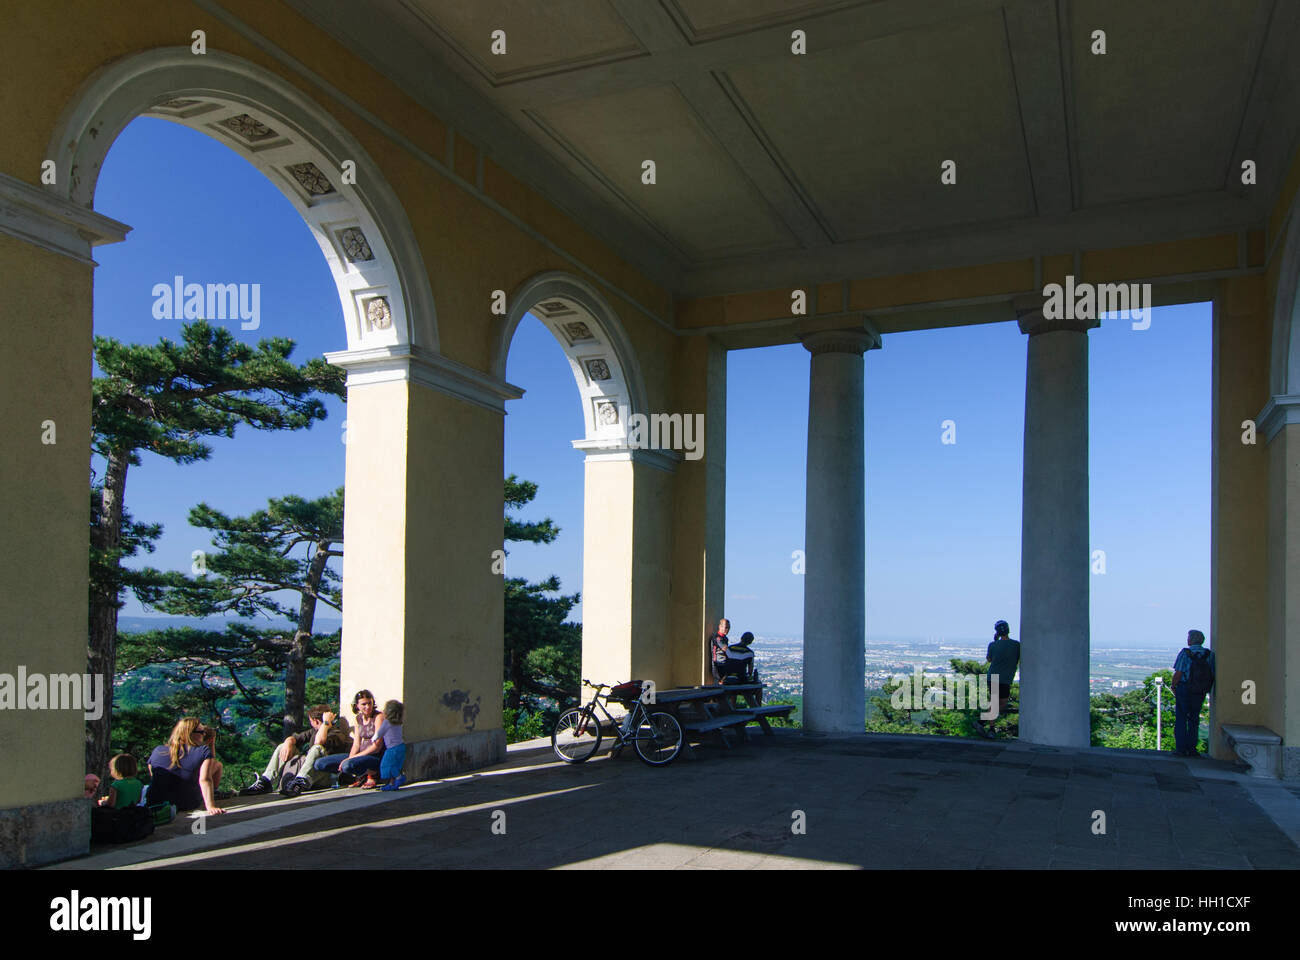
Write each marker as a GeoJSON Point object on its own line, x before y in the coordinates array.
{"type": "Point", "coordinates": [185, 770]}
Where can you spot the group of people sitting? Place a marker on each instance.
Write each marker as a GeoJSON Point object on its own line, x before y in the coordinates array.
{"type": "Point", "coordinates": [186, 774]}
{"type": "Point", "coordinates": [373, 759]}
{"type": "Point", "coordinates": [731, 662]}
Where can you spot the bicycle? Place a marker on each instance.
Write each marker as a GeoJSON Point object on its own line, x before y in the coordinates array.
{"type": "Point", "coordinates": [657, 736]}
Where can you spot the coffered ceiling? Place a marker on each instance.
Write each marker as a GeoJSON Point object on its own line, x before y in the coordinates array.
{"type": "Point", "coordinates": [772, 167]}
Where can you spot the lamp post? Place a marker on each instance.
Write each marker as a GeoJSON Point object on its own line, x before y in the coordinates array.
{"type": "Point", "coordinates": [1160, 685]}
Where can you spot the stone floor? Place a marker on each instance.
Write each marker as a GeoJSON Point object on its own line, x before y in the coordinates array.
{"type": "Point", "coordinates": [866, 801]}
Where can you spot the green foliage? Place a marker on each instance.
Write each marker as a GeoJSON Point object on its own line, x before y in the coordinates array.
{"type": "Point", "coordinates": [543, 652]}
{"type": "Point", "coordinates": [1128, 720]}
{"type": "Point", "coordinates": [164, 398]}
{"type": "Point", "coordinates": [520, 724]}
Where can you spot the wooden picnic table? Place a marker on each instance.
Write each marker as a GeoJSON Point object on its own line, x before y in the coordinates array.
{"type": "Point", "coordinates": [712, 708]}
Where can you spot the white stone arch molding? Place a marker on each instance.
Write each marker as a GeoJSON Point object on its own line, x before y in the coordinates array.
{"type": "Point", "coordinates": [601, 355]}
{"type": "Point", "coordinates": [362, 228]}
{"type": "Point", "coordinates": [1283, 406]}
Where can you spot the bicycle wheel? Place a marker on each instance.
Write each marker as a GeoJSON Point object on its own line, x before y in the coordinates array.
{"type": "Point", "coordinates": [659, 739]}
{"type": "Point", "coordinates": [570, 745]}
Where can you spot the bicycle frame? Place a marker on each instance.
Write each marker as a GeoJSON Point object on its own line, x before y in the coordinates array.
{"type": "Point", "coordinates": [638, 713]}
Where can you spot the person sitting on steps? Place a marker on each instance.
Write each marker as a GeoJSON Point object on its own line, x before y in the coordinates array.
{"type": "Point", "coordinates": [295, 771]}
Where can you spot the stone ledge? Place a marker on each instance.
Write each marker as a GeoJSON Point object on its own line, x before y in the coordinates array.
{"type": "Point", "coordinates": [1258, 747]}
{"type": "Point", "coordinates": [44, 832]}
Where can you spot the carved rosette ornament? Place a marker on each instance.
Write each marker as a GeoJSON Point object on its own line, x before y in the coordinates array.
{"type": "Point", "coordinates": [250, 128]}
{"type": "Point", "coordinates": [378, 314]}
{"type": "Point", "coordinates": [578, 331]}
{"type": "Point", "coordinates": [355, 246]}
{"type": "Point", "coordinates": [598, 370]}
{"type": "Point", "coordinates": [606, 413]}
{"type": "Point", "coordinates": [310, 178]}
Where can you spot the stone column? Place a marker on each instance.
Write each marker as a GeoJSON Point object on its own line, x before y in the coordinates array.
{"type": "Point", "coordinates": [1054, 551]}
{"type": "Point", "coordinates": [834, 590]}
{"type": "Point", "coordinates": [423, 608]}
{"type": "Point", "coordinates": [46, 275]}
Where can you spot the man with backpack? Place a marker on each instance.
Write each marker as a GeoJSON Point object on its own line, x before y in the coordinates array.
{"type": "Point", "coordinates": [1193, 680]}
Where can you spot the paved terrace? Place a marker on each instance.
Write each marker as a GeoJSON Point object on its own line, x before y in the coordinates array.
{"type": "Point", "coordinates": [870, 801]}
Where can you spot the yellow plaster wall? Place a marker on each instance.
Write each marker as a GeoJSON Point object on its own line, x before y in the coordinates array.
{"type": "Point", "coordinates": [1239, 531]}
{"type": "Point", "coordinates": [45, 510]}
{"type": "Point", "coordinates": [423, 611]}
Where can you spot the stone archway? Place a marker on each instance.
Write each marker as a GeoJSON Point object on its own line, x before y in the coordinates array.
{"type": "Point", "coordinates": [627, 541]}
{"type": "Point", "coordinates": [340, 192]}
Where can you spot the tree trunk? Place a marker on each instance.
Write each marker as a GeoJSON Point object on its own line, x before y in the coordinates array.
{"type": "Point", "coordinates": [295, 670]}
{"type": "Point", "coordinates": [105, 600]}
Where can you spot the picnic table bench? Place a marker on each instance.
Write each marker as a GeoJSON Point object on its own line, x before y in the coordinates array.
{"type": "Point", "coordinates": [713, 708]}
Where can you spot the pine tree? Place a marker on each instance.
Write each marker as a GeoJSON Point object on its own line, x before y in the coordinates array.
{"type": "Point", "coordinates": [164, 399]}
{"type": "Point", "coordinates": [253, 563]}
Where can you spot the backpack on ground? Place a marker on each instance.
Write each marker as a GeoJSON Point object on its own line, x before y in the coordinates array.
{"type": "Point", "coordinates": [126, 825]}
{"type": "Point", "coordinates": [1200, 678]}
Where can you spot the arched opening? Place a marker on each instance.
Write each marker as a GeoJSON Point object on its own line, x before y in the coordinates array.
{"type": "Point", "coordinates": [624, 562]}
{"type": "Point", "coordinates": [323, 171]}
{"type": "Point", "coordinates": [328, 179]}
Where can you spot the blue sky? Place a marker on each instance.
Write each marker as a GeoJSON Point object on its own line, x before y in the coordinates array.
{"type": "Point", "coordinates": [943, 521]}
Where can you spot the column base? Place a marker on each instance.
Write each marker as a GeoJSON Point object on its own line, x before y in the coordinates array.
{"type": "Point", "coordinates": [44, 832]}
{"type": "Point", "coordinates": [431, 759]}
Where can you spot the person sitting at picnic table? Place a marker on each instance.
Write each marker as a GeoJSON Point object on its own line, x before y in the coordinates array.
{"type": "Point", "coordinates": [718, 649]}
{"type": "Point", "coordinates": [185, 770]}
{"type": "Point", "coordinates": [739, 665]}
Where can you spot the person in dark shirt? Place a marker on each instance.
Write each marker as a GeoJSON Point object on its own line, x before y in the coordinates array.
{"type": "Point", "coordinates": [718, 649]}
{"type": "Point", "coordinates": [1003, 658]}
{"type": "Point", "coordinates": [1193, 679]}
{"type": "Point", "coordinates": [185, 770]}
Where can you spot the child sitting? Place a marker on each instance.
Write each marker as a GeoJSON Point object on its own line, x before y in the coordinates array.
{"type": "Point", "coordinates": [390, 764]}
{"type": "Point", "coordinates": [91, 784]}
{"type": "Point", "coordinates": [125, 790]}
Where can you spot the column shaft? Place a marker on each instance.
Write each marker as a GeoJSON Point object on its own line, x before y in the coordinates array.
{"type": "Point", "coordinates": [1054, 557]}
{"type": "Point", "coordinates": [834, 635]}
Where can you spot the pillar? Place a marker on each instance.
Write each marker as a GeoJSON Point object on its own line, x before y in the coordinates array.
{"type": "Point", "coordinates": [46, 277]}
{"type": "Point", "coordinates": [699, 514]}
{"type": "Point", "coordinates": [834, 613]}
{"type": "Point", "coordinates": [423, 598]}
{"type": "Point", "coordinates": [1054, 552]}
{"type": "Point", "coordinates": [626, 557]}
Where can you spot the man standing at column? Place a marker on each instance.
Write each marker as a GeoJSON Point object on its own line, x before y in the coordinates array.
{"type": "Point", "coordinates": [1193, 679]}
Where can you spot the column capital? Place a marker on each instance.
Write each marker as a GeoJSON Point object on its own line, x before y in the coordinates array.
{"type": "Point", "coordinates": [405, 362]}
{"type": "Point", "coordinates": [842, 341]}
{"type": "Point", "coordinates": [1029, 316]}
{"type": "Point", "coordinates": [1279, 412]}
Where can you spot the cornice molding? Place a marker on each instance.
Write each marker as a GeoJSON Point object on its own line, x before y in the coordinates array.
{"type": "Point", "coordinates": [44, 219]}
{"type": "Point", "coordinates": [616, 450]}
{"type": "Point", "coordinates": [1279, 412]}
{"type": "Point", "coordinates": [402, 362]}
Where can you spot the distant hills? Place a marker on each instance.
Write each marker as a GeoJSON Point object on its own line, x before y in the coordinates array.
{"type": "Point", "coordinates": [141, 624]}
